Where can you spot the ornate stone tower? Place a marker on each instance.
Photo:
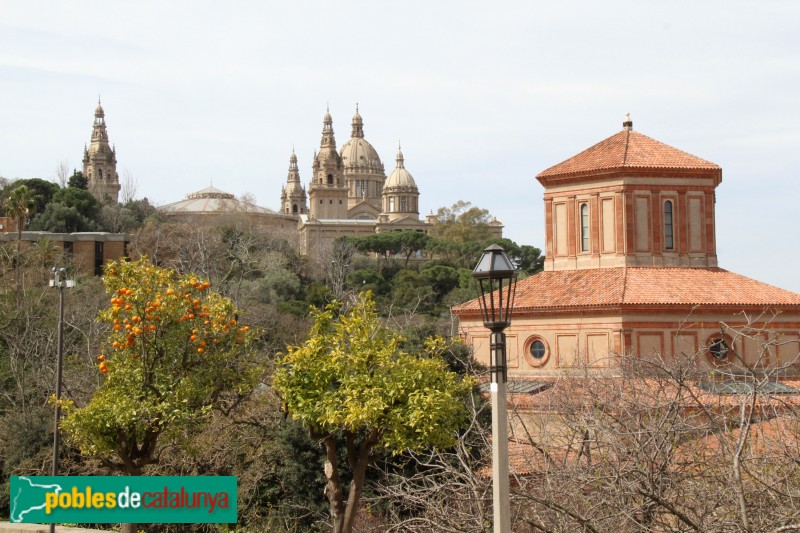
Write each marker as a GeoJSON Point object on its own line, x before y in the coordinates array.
{"type": "Point", "coordinates": [100, 161]}
{"type": "Point", "coordinates": [293, 194]}
{"type": "Point", "coordinates": [400, 193]}
{"type": "Point", "coordinates": [328, 190]}
{"type": "Point", "coordinates": [363, 173]}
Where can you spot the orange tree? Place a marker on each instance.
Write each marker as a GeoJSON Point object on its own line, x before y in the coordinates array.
{"type": "Point", "coordinates": [175, 351]}
{"type": "Point", "coordinates": [351, 379]}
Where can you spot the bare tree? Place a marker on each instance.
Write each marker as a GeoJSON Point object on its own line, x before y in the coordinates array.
{"type": "Point", "coordinates": [62, 173]}
{"type": "Point", "coordinates": [335, 261]}
{"type": "Point", "coordinates": [128, 186]}
{"type": "Point", "coordinates": [663, 445]}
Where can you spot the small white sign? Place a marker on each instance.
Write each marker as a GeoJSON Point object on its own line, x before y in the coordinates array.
{"type": "Point", "coordinates": [493, 387]}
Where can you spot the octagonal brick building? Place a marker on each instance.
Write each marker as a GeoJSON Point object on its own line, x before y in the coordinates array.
{"type": "Point", "coordinates": [631, 268]}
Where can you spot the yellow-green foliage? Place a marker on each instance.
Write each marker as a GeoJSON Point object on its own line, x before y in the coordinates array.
{"type": "Point", "coordinates": [174, 347]}
{"type": "Point", "coordinates": [351, 375]}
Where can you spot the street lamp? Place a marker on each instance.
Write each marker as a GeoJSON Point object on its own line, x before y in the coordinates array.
{"type": "Point", "coordinates": [61, 282]}
{"type": "Point", "coordinates": [497, 279]}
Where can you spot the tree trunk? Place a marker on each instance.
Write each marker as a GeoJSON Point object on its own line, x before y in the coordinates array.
{"type": "Point", "coordinates": [357, 484]}
{"type": "Point", "coordinates": [17, 295]}
{"type": "Point", "coordinates": [333, 488]}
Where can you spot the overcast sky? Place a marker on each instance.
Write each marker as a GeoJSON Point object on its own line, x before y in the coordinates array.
{"type": "Point", "coordinates": [482, 95]}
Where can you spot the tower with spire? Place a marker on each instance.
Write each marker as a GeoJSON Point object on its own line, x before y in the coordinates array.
{"type": "Point", "coordinates": [293, 194]}
{"type": "Point", "coordinates": [328, 190]}
{"type": "Point", "coordinates": [100, 161]}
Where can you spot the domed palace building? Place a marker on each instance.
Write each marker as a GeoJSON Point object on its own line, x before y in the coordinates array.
{"type": "Point", "coordinates": [631, 269]}
{"type": "Point", "coordinates": [348, 194]}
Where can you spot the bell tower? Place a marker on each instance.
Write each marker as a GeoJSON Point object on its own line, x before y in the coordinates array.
{"type": "Point", "coordinates": [328, 190]}
{"type": "Point", "coordinates": [293, 195]}
{"type": "Point", "coordinates": [100, 161]}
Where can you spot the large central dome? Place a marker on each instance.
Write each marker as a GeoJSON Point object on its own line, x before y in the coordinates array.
{"type": "Point", "coordinates": [358, 155]}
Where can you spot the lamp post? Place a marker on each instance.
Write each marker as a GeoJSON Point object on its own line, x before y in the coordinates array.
{"type": "Point", "coordinates": [61, 282]}
{"type": "Point", "coordinates": [497, 278]}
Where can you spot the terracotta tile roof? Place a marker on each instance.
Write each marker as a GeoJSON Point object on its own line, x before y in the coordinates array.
{"type": "Point", "coordinates": [631, 286]}
{"type": "Point", "coordinates": [628, 150]}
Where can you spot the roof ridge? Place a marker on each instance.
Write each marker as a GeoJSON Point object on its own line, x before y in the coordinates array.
{"type": "Point", "coordinates": [624, 283]}
{"type": "Point", "coordinates": [627, 143]}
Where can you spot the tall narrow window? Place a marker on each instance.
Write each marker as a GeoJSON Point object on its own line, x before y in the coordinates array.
{"type": "Point", "coordinates": [403, 204]}
{"type": "Point", "coordinates": [584, 227]}
{"type": "Point", "coordinates": [669, 241]}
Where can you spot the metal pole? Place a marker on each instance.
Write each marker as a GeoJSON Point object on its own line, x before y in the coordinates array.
{"type": "Point", "coordinates": [59, 366]}
{"type": "Point", "coordinates": [500, 485]}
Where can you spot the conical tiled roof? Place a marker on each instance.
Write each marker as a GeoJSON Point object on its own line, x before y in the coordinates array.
{"type": "Point", "coordinates": [627, 150]}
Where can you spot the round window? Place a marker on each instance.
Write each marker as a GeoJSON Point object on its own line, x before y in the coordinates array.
{"type": "Point", "coordinates": [719, 349]}
{"type": "Point", "coordinates": [538, 349]}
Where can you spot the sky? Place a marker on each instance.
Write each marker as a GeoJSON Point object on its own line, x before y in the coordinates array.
{"type": "Point", "coordinates": [482, 95]}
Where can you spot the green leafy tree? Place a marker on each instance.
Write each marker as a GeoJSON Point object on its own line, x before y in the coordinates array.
{"type": "Point", "coordinates": [411, 242]}
{"type": "Point", "coordinates": [384, 244]}
{"type": "Point", "coordinates": [462, 222]}
{"type": "Point", "coordinates": [60, 218]}
{"type": "Point", "coordinates": [175, 350]}
{"type": "Point", "coordinates": [43, 191]}
{"type": "Point", "coordinates": [442, 279]}
{"type": "Point", "coordinates": [389, 243]}
{"type": "Point", "coordinates": [78, 181]}
{"type": "Point", "coordinates": [18, 206]}
{"type": "Point", "coordinates": [351, 379]}
{"type": "Point", "coordinates": [81, 199]}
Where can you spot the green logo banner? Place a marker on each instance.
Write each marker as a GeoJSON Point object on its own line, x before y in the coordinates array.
{"type": "Point", "coordinates": [128, 499]}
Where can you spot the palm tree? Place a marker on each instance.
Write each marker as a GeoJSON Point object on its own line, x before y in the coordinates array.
{"type": "Point", "coordinates": [18, 204]}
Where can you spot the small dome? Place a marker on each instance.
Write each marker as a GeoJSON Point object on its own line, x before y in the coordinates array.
{"type": "Point", "coordinates": [400, 177]}
{"type": "Point", "coordinates": [98, 111]}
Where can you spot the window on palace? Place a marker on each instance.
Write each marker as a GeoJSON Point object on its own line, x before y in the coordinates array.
{"type": "Point", "coordinates": [584, 227]}
{"type": "Point", "coordinates": [362, 188]}
{"type": "Point", "coordinates": [669, 241]}
{"type": "Point", "coordinates": [403, 204]}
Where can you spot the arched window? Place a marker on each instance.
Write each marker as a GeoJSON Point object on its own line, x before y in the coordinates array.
{"type": "Point", "coordinates": [100, 173]}
{"type": "Point", "coordinates": [294, 209]}
{"type": "Point", "coordinates": [669, 241]}
{"type": "Point", "coordinates": [330, 179]}
{"type": "Point", "coordinates": [584, 227]}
